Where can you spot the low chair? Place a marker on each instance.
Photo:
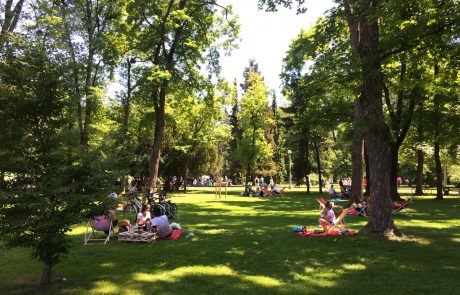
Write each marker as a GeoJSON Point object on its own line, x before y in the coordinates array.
{"type": "Point", "coordinates": [321, 203]}
{"type": "Point", "coordinates": [280, 193]}
{"type": "Point", "coordinates": [339, 221]}
{"type": "Point", "coordinates": [101, 223]}
{"type": "Point", "coordinates": [401, 208]}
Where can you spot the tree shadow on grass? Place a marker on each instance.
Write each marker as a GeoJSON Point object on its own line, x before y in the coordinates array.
{"type": "Point", "coordinates": [247, 248]}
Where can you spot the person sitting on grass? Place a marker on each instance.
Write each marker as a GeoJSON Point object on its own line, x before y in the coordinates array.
{"type": "Point", "coordinates": [333, 193]}
{"type": "Point", "coordinates": [161, 223]}
{"type": "Point", "coordinates": [276, 191]}
{"type": "Point", "coordinates": [327, 216]}
{"type": "Point", "coordinates": [249, 191]}
{"type": "Point", "coordinates": [144, 216]}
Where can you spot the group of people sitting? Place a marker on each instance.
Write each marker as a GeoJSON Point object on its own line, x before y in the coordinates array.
{"type": "Point", "coordinates": [345, 192]}
{"type": "Point", "coordinates": [262, 191]}
{"type": "Point", "coordinates": [159, 223]}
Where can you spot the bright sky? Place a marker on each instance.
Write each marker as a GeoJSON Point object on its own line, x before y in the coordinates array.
{"type": "Point", "coordinates": [265, 36]}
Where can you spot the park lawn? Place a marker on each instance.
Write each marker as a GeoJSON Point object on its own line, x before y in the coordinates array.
{"type": "Point", "coordinates": [245, 246]}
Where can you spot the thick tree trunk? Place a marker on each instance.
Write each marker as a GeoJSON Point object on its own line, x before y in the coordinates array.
{"type": "Point", "coordinates": [377, 134]}
{"type": "Point", "coordinates": [357, 158]}
{"type": "Point", "coordinates": [394, 148]}
{"type": "Point", "coordinates": [46, 275]}
{"type": "Point", "coordinates": [318, 165]}
{"type": "Point", "coordinates": [366, 166]}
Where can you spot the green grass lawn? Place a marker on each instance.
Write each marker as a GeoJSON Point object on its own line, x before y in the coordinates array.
{"type": "Point", "coordinates": [245, 246]}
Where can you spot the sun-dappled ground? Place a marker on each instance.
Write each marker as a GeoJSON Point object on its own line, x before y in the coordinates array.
{"type": "Point", "coordinates": [245, 246]}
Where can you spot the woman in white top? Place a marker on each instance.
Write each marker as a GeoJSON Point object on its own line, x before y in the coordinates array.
{"type": "Point", "coordinates": [144, 216]}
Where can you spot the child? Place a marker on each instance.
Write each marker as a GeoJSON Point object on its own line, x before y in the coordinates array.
{"type": "Point", "coordinates": [327, 216]}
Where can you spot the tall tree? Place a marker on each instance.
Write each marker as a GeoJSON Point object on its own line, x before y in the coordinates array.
{"type": "Point", "coordinates": [172, 38]}
{"type": "Point", "coordinates": [253, 148]}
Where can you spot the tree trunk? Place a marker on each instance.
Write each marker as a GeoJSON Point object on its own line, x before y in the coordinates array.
{"type": "Point", "coordinates": [394, 171]}
{"type": "Point", "coordinates": [185, 175]}
{"type": "Point", "coordinates": [437, 158]}
{"type": "Point", "coordinates": [419, 178]}
{"type": "Point", "coordinates": [318, 166]}
{"type": "Point", "coordinates": [46, 275]}
{"type": "Point", "coordinates": [439, 174]}
{"type": "Point", "coordinates": [420, 155]}
{"type": "Point", "coordinates": [377, 135]}
{"type": "Point", "coordinates": [10, 20]}
{"type": "Point", "coordinates": [357, 158]}
{"type": "Point", "coordinates": [158, 135]}
{"type": "Point", "coordinates": [127, 102]}
{"type": "Point", "coordinates": [366, 165]}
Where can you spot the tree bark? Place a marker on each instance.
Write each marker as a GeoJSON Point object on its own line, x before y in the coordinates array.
{"type": "Point", "coordinates": [318, 165]}
{"type": "Point", "coordinates": [46, 275]}
{"type": "Point", "coordinates": [394, 148]}
{"type": "Point", "coordinates": [377, 135]}
{"type": "Point", "coordinates": [127, 102]}
{"type": "Point", "coordinates": [357, 158]}
{"type": "Point", "coordinates": [420, 155]}
{"type": "Point", "coordinates": [158, 136]}
{"type": "Point", "coordinates": [159, 99]}
{"type": "Point", "coordinates": [366, 165]}
{"type": "Point", "coordinates": [10, 20]}
{"type": "Point", "coordinates": [437, 148]}
{"type": "Point", "coordinates": [439, 174]}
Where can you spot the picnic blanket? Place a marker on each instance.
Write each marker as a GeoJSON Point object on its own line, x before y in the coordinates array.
{"type": "Point", "coordinates": [321, 233]}
{"type": "Point", "coordinates": [175, 234]}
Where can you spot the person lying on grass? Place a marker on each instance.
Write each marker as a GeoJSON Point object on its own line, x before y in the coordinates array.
{"type": "Point", "coordinates": [161, 223]}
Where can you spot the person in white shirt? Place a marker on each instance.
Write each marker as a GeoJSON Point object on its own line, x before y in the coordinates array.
{"type": "Point", "coordinates": [161, 222]}
{"type": "Point", "coordinates": [332, 192]}
{"type": "Point", "coordinates": [327, 216]}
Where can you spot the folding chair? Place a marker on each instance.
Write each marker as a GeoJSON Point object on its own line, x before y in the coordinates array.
{"type": "Point", "coordinates": [401, 208]}
{"type": "Point", "coordinates": [321, 202]}
{"type": "Point", "coordinates": [339, 221]}
{"type": "Point", "coordinates": [100, 223]}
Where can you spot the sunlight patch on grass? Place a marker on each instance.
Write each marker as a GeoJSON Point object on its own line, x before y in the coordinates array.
{"type": "Point", "coordinates": [201, 270]}
{"type": "Point", "coordinates": [317, 278]}
{"type": "Point", "coordinates": [78, 230]}
{"type": "Point", "coordinates": [457, 239]}
{"type": "Point", "coordinates": [262, 281]}
{"type": "Point", "coordinates": [108, 264]}
{"type": "Point", "coordinates": [236, 251]}
{"type": "Point", "coordinates": [105, 287]}
{"type": "Point", "coordinates": [357, 266]}
{"type": "Point", "coordinates": [173, 276]}
{"type": "Point", "coordinates": [214, 231]}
